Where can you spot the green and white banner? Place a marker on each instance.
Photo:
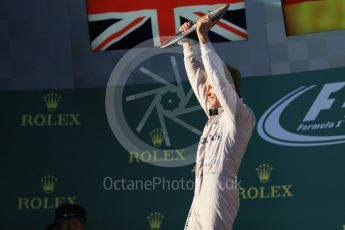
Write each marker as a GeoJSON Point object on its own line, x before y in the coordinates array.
{"type": "Point", "coordinates": [126, 153]}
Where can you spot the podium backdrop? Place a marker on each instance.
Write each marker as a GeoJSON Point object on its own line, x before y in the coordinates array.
{"type": "Point", "coordinates": [125, 154]}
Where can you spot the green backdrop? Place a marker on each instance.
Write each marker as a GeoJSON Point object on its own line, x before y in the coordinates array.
{"type": "Point", "coordinates": [66, 152]}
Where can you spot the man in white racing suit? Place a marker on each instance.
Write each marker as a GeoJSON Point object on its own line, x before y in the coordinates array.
{"type": "Point", "coordinates": [224, 139]}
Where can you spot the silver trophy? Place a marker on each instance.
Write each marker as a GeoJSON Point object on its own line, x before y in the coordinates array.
{"type": "Point", "coordinates": [215, 15]}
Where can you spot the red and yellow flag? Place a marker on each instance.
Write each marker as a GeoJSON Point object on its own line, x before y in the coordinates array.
{"type": "Point", "coordinates": [310, 16]}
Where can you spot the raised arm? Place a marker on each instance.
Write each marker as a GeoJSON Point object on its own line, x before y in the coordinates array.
{"type": "Point", "coordinates": [195, 70]}
{"type": "Point", "coordinates": [214, 68]}
{"type": "Point", "coordinates": [224, 91]}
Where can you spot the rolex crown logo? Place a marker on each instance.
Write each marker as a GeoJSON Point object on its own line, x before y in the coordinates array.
{"type": "Point", "coordinates": [155, 220]}
{"type": "Point", "coordinates": [52, 101]}
{"type": "Point", "coordinates": [264, 172]}
{"type": "Point", "coordinates": [157, 136]}
{"type": "Point", "coordinates": [48, 183]}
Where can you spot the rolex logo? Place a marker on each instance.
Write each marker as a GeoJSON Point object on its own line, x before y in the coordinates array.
{"type": "Point", "coordinates": [48, 183]}
{"type": "Point", "coordinates": [264, 172]}
{"type": "Point", "coordinates": [157, 136]}
{"type": "Point", "coordinates": [265, 190]}
{"type": "Point", "coordinates": [50, 119]}
{"type": "Point", "coordinates": [155, 220]}
{"type": "Point", "coordinates": [52, 101]}
{"type": "Point", "coordinates": [48, 200]}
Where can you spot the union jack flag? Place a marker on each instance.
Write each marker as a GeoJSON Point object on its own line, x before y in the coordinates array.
{"type": "Point", "coordinates": [116, 24]}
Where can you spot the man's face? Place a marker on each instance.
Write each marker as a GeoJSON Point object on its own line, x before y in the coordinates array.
{"type": "Point", "coordinates": [212, 99]}
{"type": "Point", "coordinates": [72, 224]}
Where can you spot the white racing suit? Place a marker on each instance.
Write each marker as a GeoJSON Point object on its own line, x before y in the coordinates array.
{"type": "Point", "coordinates": [222, 145]}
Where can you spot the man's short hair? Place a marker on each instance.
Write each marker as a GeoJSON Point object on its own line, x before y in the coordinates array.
{"type": "Point", "coordinates": [68, 212]}
{"type": "Point", "coordinates": [234, 77]}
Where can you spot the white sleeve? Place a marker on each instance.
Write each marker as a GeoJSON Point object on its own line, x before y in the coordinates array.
{"type": "Point", "coordinates": [224, 91]}
{"type": "Point", "coordinates": [195, 73]}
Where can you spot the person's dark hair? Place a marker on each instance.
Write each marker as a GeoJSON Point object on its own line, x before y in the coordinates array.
{"type": "Point", "coordinates": [68, 212]}
{"type": "Point", "coordinates": [236, 77]}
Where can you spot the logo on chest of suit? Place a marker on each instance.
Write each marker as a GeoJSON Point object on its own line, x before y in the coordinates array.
{"type": "Point", "coordinates": [210, 138]}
